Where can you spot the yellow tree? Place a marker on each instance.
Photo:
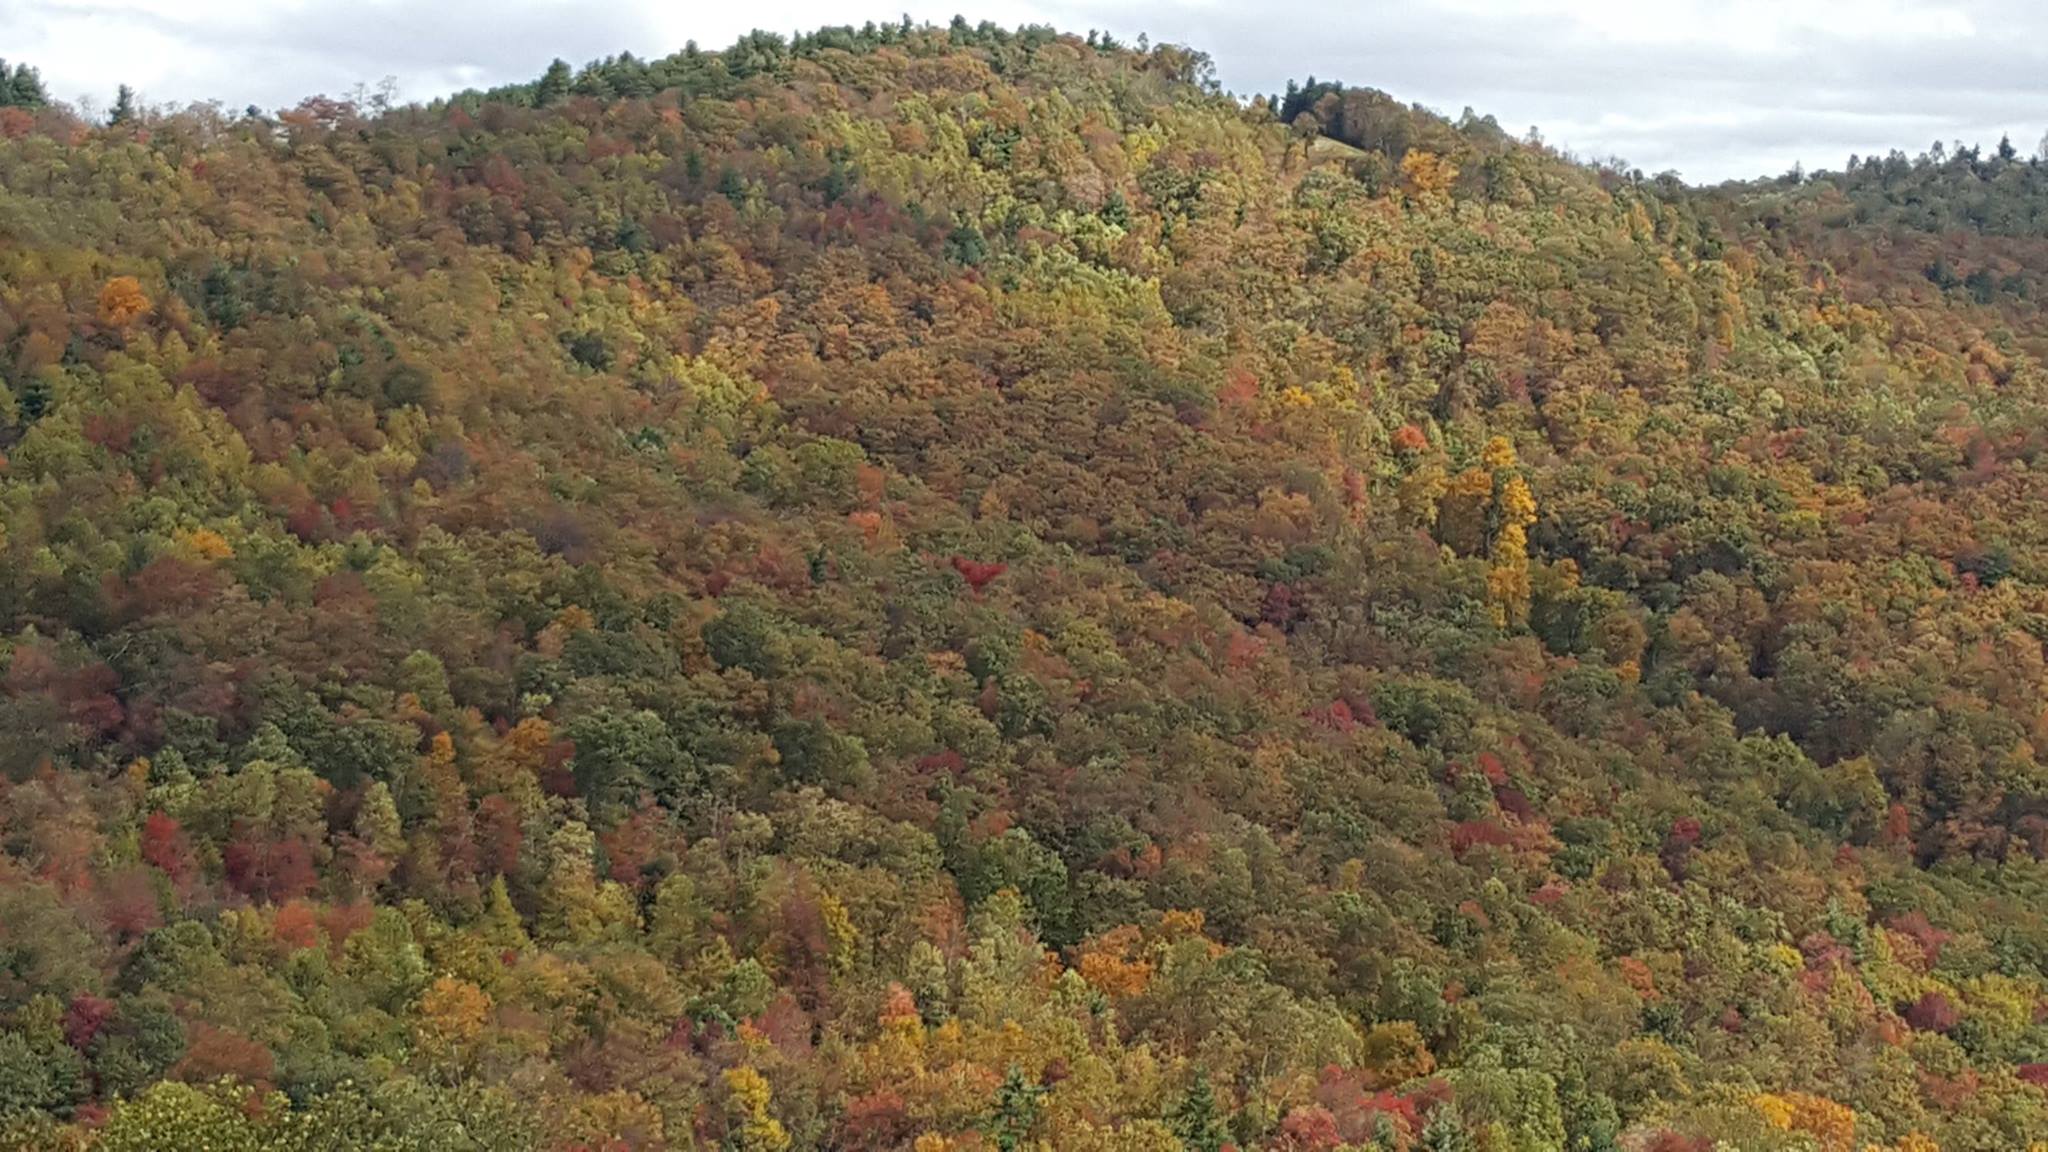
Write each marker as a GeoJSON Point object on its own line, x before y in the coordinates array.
{"type": "Point", "coordinates": [1428, 175]}
{"type": "Point", "coordinates": [1490, 508]}
{"type": "Point", "coordinates": [452, 1016]}
{"type": "Point", "coordinates": [122, 302]}
{"type": "Point", "coordinates": [1507, 584]}
{"type": "Point", "coordinates": [753, 1128]}
{"type": "Point", "coordinates": [1832, 1125]}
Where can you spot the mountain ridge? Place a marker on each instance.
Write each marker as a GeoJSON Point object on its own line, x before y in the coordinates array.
{"type": "Point", "coordinates": [949, 588]}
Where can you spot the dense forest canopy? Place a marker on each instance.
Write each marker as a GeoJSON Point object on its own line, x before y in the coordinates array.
{"type": "Point", "coordinates": [951, 588]}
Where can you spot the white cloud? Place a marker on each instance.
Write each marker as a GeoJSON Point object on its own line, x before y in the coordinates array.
{"type": "Point", "coordinates": [273, 52]}
{"type": "Point", "coordinates": [1739, 25]}
{"type": "Point", "coordinates": [1712, 88]}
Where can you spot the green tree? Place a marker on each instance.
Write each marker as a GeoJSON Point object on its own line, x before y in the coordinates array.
{"type": "Point", "coordinates": [1016, 1112]}
{"type": "Point", "coordinates": [1196, 1118]}
{"type": "Point", "coordinates": [21, 87]}
{"type": "Point", "coordinates": [553, 86]}
{"type": "Point", "coordinates": [173, 1115]}
{"type": "Point", "coordinates": [37, 1076]}
{"type": "Point", "coordinates": [621, 754]}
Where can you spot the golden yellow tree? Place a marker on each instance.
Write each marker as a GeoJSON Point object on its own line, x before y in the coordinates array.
{"type": "Point", "coordinates": [122, 302]}
{"type": "Point", "coordinates": [1428, 175]}
{"type": "Point", "coordinates": [1490, 508]}
{"type": "Point", "coordinates": [452, 1016]}
{"type": "Point", "coordinates": [754, 1129]}
{"type": "Point", "coordinates": [1832, 1125]}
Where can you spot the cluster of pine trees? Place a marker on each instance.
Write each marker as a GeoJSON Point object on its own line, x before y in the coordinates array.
{"type": "Point", "coordinates": [956, 589]}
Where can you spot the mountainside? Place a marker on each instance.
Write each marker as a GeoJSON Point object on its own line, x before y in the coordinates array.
{"type": "Point", "coordinates": [955, 589]}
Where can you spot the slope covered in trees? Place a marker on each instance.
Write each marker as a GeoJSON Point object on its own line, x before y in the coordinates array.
{"type": "Point", "coordinates": [954, 589]}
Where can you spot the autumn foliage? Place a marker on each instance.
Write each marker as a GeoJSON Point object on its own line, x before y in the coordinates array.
{"type": "Point", "coordinates": [978, 573]}
{"type": "Point", "coordinates": [949, 588]}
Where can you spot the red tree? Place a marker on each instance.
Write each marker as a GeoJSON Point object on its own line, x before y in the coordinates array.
{"type": "Point", "coordinates": [269, 868]}
{"type": "Point", "coordinates": [85, 1018]}
{"type": "Point", "coordinates": [978, 573]}
{"type": "Point", "coordinates": [165, 847]}
{"type": "Point", "coordinates": [1933, 1012]}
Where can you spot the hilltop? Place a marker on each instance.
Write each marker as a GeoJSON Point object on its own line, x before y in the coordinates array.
{"type": "Point", "coordinates": [950, 588]}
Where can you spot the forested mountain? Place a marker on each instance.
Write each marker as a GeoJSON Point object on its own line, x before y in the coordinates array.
{"type": "Point", "coordinates": [947, 589]}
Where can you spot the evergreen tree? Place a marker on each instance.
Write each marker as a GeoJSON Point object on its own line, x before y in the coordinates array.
{"type": "Point", "coordinates": [500, 924]}
{"type": "Point", "coordinates": [21, 87]}
{"type": "Point", "coordinates": [554, 84]}
{"type": "Point", "coordinates": [1446, 1132]}
{"type": "Point", "coordinates": [124, 106]}
{"type": "Point", "coordinates": [1017, 1104]}
{"type": "Point", "coordinates": [1197, 1120]}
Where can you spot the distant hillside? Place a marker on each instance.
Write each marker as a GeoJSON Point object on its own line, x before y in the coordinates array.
{"type": "Point", "coordinates": [946, 588]}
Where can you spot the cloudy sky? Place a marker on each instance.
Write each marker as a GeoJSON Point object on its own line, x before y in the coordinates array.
{"type": "Point", "coordinates": [1709, 88]}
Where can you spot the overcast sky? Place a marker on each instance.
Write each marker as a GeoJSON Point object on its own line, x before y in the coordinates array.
{"type": "Point", "coordinates": [1710, 88]}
